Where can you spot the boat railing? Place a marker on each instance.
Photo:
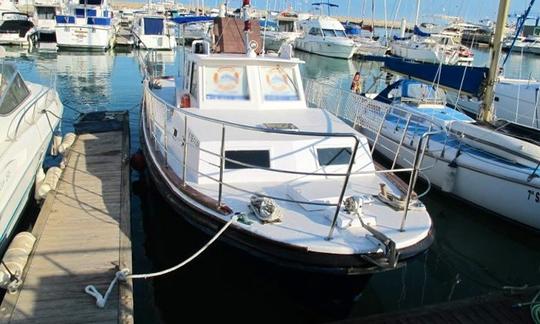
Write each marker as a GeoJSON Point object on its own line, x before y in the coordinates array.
{"type": "Point", "coordinates": [372, 116]}
{"type": "Point", "coordinates": [154, 103]}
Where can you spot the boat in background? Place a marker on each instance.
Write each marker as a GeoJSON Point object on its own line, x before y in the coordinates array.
{"type": "Point", "coordinates": [153, 31]}
{"type": "Point", "coordinates": [286, 31]}
{"type": "Point", "coordinates": [15, 26]}
{"type": "Point", "coordinates": [29, 115]}
{"type": "Point", "coordinates": [44, 19]}
{"type": "Point", "coordinates": [323, 35]}
{"type": "Point", "coordinates": [89, 25]}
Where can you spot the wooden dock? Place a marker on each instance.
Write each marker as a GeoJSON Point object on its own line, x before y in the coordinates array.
{"type": "Point", "coordinates": [83, 233]}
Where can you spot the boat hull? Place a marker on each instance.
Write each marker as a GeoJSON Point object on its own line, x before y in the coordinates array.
{"type": "Point", "coordinates": [474, 180]}
{"type": "Point", "coordinates": [276, 252]}
{"type": "Point", "coordinates": [325, 49]}
{"type": "Point", "coordinates": [84, 37]}
{"type": "Point", "coordinates": [156, 42]}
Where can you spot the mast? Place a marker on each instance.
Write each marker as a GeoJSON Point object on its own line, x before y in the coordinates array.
{"type": "Point", "coordinates": [486, 109]}
{"type": "Point", "coordinates": [372, 18]}
{"type": "Point", "coordinates": [417, 12]}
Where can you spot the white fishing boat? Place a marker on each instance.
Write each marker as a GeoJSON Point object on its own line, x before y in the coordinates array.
{"type": "Point", "coordinates": [472, 160]}
{"type": "Point", "coordinates": [44, 19]}
{"type": "Point", "coordinates": [153, 31]}
{"type": "Point", "coordinates": [325, 36]}
{"type": "Point", "coordinates": [88, 25]}
{"type": "Point", "coordinates": [233, 137]}
{"type": "Point", "coordinates": [15, 26]}
{"type": "Point", "coordinates": [29, 114]}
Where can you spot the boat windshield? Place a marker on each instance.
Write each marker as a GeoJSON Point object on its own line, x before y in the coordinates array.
{"type": "Point", "coordinates": [13, 90]}
{"type": "Point", "coordinates": [226, 83]}
{"type": "Point", "coordinates": [334, 33]}
{"type": "Point", "coordinates": [420, 93]}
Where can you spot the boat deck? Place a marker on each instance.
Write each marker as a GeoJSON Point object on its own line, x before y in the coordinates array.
{"type": "Point", "coordinates": [83, 234]}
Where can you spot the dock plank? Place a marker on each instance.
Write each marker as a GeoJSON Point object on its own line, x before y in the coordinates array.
{"type": "Point", "coordinates": [83, 238]}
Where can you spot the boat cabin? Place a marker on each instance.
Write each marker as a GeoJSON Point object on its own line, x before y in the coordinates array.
{"type": "Point", "coordinates": [323, 26]}
{"type": "Point", "coordinates": [88, 12]}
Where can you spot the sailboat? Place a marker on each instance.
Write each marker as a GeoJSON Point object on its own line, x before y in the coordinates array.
{"type": "Point", "coordinates": [468, 158]}
{"type": "Point", "coordinates": [233, 137]}
{"type": "Point", "coordinates": [431, 48]}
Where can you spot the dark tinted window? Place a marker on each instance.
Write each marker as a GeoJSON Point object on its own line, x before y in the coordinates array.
{"type": "Point", "coordinates": [334, 156]}
{"type": "Point", "coordinates": [14, 95]}
{"type": "Point", "coordinates": [255, 158]}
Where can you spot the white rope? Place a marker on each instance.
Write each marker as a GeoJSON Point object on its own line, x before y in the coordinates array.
{"type": "Point", "coordinates": [101, 300]}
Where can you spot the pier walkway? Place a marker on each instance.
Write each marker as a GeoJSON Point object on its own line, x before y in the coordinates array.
{"type": "Point", "coordinates": [83, 233]}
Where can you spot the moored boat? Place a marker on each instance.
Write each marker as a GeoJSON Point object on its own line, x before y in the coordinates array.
{"type": "Point", "coordinates": [29, 115]}
{"type": "Point", "coordinates": [234, 137]}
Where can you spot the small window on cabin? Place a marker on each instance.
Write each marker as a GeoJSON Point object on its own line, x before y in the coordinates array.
{"type": "Point", "coordinates": [16, 93]}
{"type": "Point", "coordinates": [247, 159]}
{"type": "Point", "coordinates": [226, 83]}
{"type": "Point", "coordinates": [329, 33]}
{"type": "Point", "coordinates": [45, 12]}
{"type": "Point", "coordinates": [334, 156]}
{"type": "Point", "coordinates": [340, 33]}
{"type": "Point", "coordinates": [279, 84]}
{"type": "Point", "coordinates": [315, 31]}
{"type": "Point", "coordinates": [194, 80]}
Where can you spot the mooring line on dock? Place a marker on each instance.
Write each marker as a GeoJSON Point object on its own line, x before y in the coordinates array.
{"type": "Point", "coordinates": [101, 300]}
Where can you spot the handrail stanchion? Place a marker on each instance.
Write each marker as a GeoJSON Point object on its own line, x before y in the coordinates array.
{"type": "Point", "coordinates": [184, 171]}
{"type": "Point", "coordinates": [379, 131]}
{"type": "Point", "coordinates": [414, 174]}
{"type": "Point", "coordinates": [221, 164]}
{"type": "Point", "coordinates": [401, 141]}
{"type": "Point", "coordinates": [344, 189]}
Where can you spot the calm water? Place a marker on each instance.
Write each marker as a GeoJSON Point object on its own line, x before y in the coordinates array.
{"type": "Point", "coordinates": [474, 252]}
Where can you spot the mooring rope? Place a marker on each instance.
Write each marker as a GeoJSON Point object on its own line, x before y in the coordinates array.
{"type": "Point", "coordinates": [101, 300]}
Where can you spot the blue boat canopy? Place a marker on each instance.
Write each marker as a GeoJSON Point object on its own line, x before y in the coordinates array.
{"type": "Point", "coordinates": [420, 33]}
{"type": "Point", "coordinates": [449, 76]}
{"type": "Point", "coordinates": [191, 19]}
{"type": "Point", "coordinates": [153, 26]}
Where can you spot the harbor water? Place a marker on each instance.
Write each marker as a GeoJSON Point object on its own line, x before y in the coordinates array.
{"type": "Point", "coordinates": [474, 253]}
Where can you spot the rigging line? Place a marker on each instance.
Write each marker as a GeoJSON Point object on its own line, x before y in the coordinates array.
{"type": "Point", "coordinates": [518, 30]}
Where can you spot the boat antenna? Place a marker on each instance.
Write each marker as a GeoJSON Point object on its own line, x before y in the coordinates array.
{"type": "Point", "coordinates": [521, 23]}
{"type": "Point", "coordinates": [486, 109]}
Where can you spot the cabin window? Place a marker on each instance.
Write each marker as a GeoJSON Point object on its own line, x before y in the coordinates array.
{"type": "Point", "coordinates": [254, 158]}
{"type": "Point", "coordinates": [226, 83]}
{"type": "Point", "coordinates": [334, 156]}
{"type": "Point", "coordinates": [340, 33]}
{"type": "Point", "coordinates": [15, 94]}
{"type": "Point", "coordinates": [46, 12]}
{"type": "Point", "coordinates": [90, 2]}
{"type": "Point", "coordinates": [315, 31]}
{"type": "Point", "coordinates": [279, 84]}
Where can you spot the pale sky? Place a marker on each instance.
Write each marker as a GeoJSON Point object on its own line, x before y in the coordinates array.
{"type": "Point", "coordinates": [471, 10]}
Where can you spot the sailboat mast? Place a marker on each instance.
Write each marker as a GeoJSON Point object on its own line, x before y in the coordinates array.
{"type": "Point", "coordinates": [417, 12]}
{"type": "Point", "coordinates": [486, 113]}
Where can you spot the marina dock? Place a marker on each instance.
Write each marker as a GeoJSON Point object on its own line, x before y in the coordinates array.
{"type": "Point", "coordinates": [83, 233]}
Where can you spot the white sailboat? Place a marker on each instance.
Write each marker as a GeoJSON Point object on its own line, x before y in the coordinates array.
{"type": "Point", "coordinates": [430, 48]}
{"type": "Point", "coordinates": [233, 136]}
{"type": "Point", "coordinates": [471, 160]}
{"type": "Point", "coordinates": [89, 24]}
{"type": "Point", "coordinates": [29, 114]}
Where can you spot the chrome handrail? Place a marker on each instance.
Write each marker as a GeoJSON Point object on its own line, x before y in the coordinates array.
{"type": "Point", "coordinates": [153, 99]}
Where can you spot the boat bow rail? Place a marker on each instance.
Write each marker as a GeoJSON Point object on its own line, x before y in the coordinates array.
{"type": "Point", "coordinates": [157, 126]}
